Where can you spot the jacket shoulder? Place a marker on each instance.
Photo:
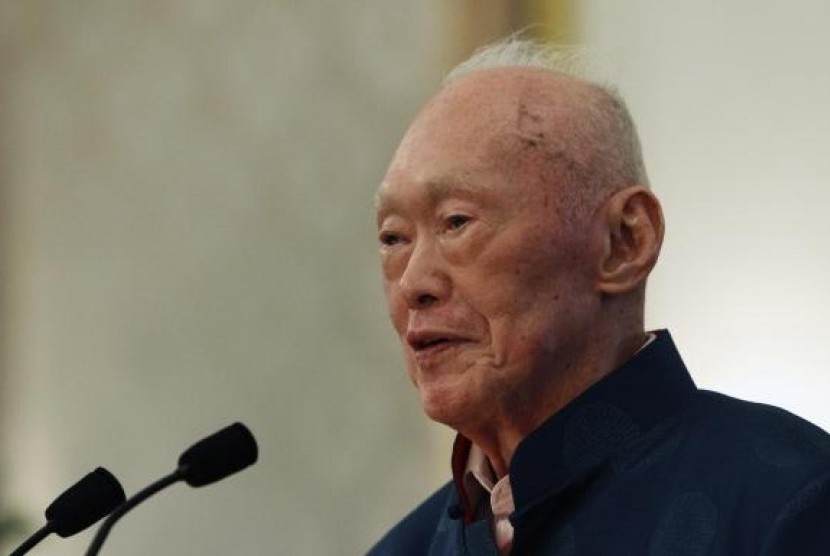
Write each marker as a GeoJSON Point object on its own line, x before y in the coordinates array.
{"type": "Point", "coordinates": [775, 435]}
{"type": "Point", "coordinates": [764, 448]}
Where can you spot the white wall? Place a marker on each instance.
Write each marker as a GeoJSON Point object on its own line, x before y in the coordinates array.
{"type": "Point", "coordinates": [192, 242]}
{"type": "Point", "coordinates": [733, 103]}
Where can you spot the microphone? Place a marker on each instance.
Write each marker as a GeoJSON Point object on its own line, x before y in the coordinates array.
{"type": "Point", "coordinates": [81, 505]}
{"type": "Point", "coordinates": [211, 459]}
{"type": "Point", "coordinates": [221, 454]}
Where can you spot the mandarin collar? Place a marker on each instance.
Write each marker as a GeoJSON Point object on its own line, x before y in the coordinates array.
{"type": "Point", "coordinates": [601, 422]}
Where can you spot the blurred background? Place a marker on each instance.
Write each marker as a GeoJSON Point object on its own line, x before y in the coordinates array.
{"type": "Point", "coordinates": [187, 239]}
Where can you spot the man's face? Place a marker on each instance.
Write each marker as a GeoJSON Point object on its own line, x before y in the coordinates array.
{"type": "Point", "coordinates": [485, 284]}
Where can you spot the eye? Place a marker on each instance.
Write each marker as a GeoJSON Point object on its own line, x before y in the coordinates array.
{"type": "Point", "coordinates": [389, 238]}
{"type": "Point", "coordinates": [457, 221]}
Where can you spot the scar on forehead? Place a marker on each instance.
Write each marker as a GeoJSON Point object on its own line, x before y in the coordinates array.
{"type": "Point", "coordinates": [530, 126]}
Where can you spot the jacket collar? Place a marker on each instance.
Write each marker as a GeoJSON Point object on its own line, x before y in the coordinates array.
{"type": "Point", "coordinates": [600, 423]}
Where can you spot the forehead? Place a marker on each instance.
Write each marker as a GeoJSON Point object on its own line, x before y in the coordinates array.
{"type": "Point", "coordinates": [487, 128]}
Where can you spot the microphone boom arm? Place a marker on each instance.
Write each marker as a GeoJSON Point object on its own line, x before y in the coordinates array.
{"type": "Point", "coordinates": [141, 496]}
{"type": "Point", "coordinates": [30, 543]}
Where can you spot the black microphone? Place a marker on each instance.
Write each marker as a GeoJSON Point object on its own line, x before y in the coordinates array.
{"type": "Point", "coordinates": [211, 459]}
{"type": "Point", "coordinates": [81, 505]}
{"type": "Point", "coordinates": [221, 454]}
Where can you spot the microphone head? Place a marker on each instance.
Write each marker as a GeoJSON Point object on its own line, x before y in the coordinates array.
{"type": "Point", "coordinates": [221, 454]}
{"type": "Point", "coordinates": [85, 502]}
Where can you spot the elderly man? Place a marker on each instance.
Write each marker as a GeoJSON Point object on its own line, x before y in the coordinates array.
{"type": "Point", "coordinates": [516, 231]}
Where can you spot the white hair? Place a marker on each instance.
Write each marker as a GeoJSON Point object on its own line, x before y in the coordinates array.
{"type": "Point", "coordinates": [514, 51]}
{"type": "Point", "coordinates": [601, 148]}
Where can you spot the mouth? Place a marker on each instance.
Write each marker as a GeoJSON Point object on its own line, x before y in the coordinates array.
{"type": "Point", "coordinates": [422, 345]}
{"type": "Point", "coordinates": [427, 345]}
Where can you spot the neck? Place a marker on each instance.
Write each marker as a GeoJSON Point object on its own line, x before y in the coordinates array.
{"type": "Point", "coordinates": [499, 437]}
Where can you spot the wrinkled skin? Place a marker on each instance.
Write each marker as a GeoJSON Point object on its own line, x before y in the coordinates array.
{"type": "Point", "coordinates": [492, 290]}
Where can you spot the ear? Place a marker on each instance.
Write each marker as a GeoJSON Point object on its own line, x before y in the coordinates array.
{"type": "Point", "coordinates": [632, 230]}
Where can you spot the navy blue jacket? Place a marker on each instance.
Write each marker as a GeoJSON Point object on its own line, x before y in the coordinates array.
{"type": "Point", "coordinates": [645, 464]}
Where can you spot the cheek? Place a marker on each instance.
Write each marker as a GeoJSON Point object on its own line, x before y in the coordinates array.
{"type": "Point", "coordinates": [392, 265]}
{"type": "Point", "coordinates": [395, 306]}
{"type": "Point", "coordinates": [521, 329]}
{"type": "Point", "coordinates": [525, 296]}
{"type": "Point", "coordinates": [539, 270]}
{"type": "Point", "coordinates": [516, 285]}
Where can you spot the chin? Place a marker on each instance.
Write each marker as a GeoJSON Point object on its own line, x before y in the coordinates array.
{"type": "Point", "coordinates": [445, 406]}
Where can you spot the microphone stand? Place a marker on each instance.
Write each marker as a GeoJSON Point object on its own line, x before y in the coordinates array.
{"type": "Point", "coordinates": [211, 459]}
{"type": "Point", "coordinates": [140, 496]}
{"type": "Point", "coordinates": [41, 534]}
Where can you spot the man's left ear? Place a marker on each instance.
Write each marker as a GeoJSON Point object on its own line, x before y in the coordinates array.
{"type": "Point", "coordinates": [633, 233]}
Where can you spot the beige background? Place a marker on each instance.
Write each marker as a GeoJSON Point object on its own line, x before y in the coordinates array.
{"type": "Point", "coordinates": [190, 242]}
{"type": "Point", "coordinates": [187, 240]}
{"type": "Point", "coordinates": [734, 109]}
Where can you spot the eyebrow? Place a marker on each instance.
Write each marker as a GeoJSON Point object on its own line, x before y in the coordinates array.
{"type": "Point", "coordinates": [437, 189]}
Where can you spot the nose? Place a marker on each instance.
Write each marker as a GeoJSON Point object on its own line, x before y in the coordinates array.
{"type": "Point", "coordinates": [424, 281]}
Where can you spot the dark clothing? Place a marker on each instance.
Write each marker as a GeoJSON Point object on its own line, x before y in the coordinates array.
{"type": "Point", "coordinates": [645, 464]}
